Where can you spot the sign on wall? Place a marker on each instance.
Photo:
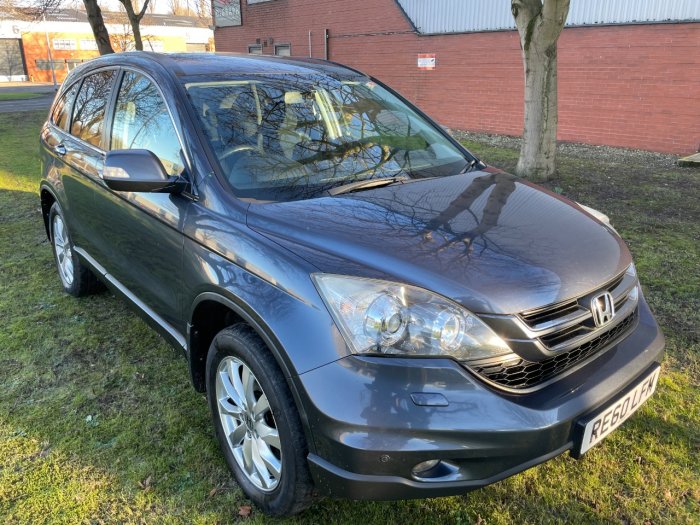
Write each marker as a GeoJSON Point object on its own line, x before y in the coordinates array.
{"type": "Point", "coordinates": [426, 61]}
{"type": "Point", "coordinates": [227, 13]}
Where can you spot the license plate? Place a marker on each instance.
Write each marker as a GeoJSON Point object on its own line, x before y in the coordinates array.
{"type": "Point", "coordinates": [616, 413]}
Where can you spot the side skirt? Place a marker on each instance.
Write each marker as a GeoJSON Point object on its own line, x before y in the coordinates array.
{"type": "Point", "coordinates": [168, 331]}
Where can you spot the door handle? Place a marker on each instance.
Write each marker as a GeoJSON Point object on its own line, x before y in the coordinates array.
{"type": "Point", "coordinates": [60, 149]}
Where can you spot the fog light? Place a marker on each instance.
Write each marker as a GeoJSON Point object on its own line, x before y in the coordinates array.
{"type": "Point", "coordinates": [421, 468]}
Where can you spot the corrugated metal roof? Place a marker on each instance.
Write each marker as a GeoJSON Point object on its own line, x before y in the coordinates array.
{"type": "Point", "coordinates": [458, 16]}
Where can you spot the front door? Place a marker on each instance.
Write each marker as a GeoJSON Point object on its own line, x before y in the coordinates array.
{"type": "Point", "coordinates": [140, 237]}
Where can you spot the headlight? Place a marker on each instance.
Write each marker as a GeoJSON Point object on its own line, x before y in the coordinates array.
{"type": "Point", "coordinates": [631, 270]}
{"type": "Point", "coordinates": [380, 317]}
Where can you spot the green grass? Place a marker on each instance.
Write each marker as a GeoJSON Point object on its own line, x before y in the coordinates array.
{"type": "Point", "coordinates": [98, 423]}
{"type": "Point", "coordinates": [18, 95]}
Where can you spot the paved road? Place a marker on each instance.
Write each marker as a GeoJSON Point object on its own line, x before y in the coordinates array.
{"type": "Point", "coordinates": [30, 104]}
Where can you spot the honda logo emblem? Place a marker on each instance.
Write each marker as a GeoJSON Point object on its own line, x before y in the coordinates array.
{"type": "Point", "coordinates": [603, 309]}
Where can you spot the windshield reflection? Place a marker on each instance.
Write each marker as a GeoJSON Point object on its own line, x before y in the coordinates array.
{"type": "Point", "coordinates": [293, 137]}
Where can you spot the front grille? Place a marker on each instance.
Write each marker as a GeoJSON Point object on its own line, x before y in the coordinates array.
{"type": "Point", "coordinates": [522, 374]}
{"type": "Point", "coordinates": [550, 340]}
{"type": "Point", "coordinates": [551, 314]}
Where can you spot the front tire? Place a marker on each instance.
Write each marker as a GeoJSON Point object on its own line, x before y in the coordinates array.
{"type": "Point", "coordinates": [76, 278]}
{"type": "Point", "coordinates": [256, 422]}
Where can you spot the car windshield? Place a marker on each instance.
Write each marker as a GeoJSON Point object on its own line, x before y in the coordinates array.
{"type": "Point", "coordinates": [290, 137]}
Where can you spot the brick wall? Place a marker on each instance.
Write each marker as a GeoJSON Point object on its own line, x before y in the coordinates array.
{"type": "Point", "coordinates": [633, 86]}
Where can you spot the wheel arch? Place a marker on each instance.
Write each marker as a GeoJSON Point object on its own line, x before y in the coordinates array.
{"type": "Point", "coordinates": [210, 313]}
{"type": "Point", "coordinates": [48, 198]}
{"type": "Point", "coordinates": [213, 311]}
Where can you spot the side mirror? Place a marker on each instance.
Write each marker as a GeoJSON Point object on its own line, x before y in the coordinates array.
{"type": "Point", "coordinates": [138, 170]}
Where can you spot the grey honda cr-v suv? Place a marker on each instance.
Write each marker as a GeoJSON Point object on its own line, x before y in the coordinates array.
{"type": "Point", "coordinates": [371, 310]}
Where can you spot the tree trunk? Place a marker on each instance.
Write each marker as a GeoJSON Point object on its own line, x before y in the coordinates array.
{"type": "Point", "coordinates": [539, 147]}
{"type": "Point", "coordinates": [135, 21]}
{"type": "Point", "coordinates": [539, 24]}
{"type": "Point", "coordinates": [94, 14]}
{"type": "Point", "coordinates": [136, 30]}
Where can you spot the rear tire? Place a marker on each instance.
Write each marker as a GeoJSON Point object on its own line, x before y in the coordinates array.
{"type": "Point", "coordinates": [76, 278]}
{"type": "Point", "coordinates": [257, 423]}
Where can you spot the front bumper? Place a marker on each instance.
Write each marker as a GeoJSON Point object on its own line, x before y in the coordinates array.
{"type": "Point", "coordinates": [369, 431]}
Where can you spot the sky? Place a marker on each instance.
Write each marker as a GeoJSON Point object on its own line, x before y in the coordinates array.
{"type": "Point", "coordinates": [161, 6]}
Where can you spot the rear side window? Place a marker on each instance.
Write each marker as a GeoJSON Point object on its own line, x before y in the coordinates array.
{"type": "Point", "coordinates": [61, 111]}
{"type": "Point", "coordinates": [90, 106]}
{"type": "Point", "coordinates": [142, 121]}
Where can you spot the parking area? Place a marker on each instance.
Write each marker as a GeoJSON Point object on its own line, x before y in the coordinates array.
{"type": "Point", "coordinates": [25, 96]}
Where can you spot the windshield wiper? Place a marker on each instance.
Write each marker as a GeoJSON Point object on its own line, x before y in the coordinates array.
{"type": "Point", "coordinates": [470, 166]}
{"type": "Point", "coordinates": [364, 185]}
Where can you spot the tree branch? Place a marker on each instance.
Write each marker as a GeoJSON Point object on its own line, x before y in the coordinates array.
{"type": "Point", "coordinates": [143, 10]}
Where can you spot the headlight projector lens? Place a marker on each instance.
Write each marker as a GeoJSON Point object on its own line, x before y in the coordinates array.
{"type": "Point", "coordinates": [385, 321]}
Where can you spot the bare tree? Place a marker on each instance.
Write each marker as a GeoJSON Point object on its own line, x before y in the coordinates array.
{"type": "Point", "coordinates": [123, 38]}
{"type": "Point", "coordinates": [99, 30]}
{"type": "Point", "coordinates": [179, 7]}
{"type": "Point", "coordinates": [203, 11]}
{"type": "Point", "coordinates": [11, 60]}
{"type": "Point", "coordinates": [539, 24]}
{"type": "Point", "coordinates": [30, 11]}
{"type": "Point", "coordinates": [135, 15]}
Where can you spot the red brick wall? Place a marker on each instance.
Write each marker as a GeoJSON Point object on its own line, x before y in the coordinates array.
{"type": "Point", "coordinates": [34, 45]}
{"type": "Point", "coordinates": [633, 86]}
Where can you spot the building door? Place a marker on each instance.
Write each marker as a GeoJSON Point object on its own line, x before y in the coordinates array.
{"type": "Point", "coordinates": [11, 60]}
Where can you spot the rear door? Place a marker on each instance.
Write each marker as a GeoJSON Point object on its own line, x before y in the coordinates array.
{"type": "Point", "coordinates": [78, 151]}
{"type": "Point", "coordinates": [54, 136]}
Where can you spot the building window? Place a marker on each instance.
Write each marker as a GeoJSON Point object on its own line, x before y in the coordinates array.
{"type": "Point", "coordinates": [45, 65]}
{"type": "Point", "coordinates": [258, 1]}
{"type": "Point", "coordinates": [255, 49]}
{"type": "Point", "coordinates": [88, 44]}
{"type": "Point", "coordinates": [283, 50]}
{"type": "Point", "coordinates": [63, 44]}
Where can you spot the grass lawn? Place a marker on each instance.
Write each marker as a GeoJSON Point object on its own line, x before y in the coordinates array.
{"type": "Point", "coordinates": [98, 423]}
{"type": "Point", "coordinates": [17, 95]}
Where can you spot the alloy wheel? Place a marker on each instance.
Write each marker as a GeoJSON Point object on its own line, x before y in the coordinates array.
{"type": "Point", "coordinates": [64, 255]}
{"type": "Point", "coordinates": [248, 424]}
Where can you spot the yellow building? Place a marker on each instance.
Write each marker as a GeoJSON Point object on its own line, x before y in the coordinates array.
{"type": "Point", "coordinates": [36, 50]}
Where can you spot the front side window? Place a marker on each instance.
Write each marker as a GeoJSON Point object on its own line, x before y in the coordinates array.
{"type": "Point", "coordinates": [90, 106]}
{"type": "Point", "coordinates": [142, 121]}
{"type": "Point", "coordinates": [296, 137]}
{"type": "Point", "coordinates": [61, 112]}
